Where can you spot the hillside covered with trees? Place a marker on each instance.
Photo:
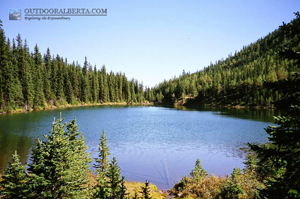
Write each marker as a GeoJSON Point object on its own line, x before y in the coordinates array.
{"type": "Point", "coordinates": [255, 76]}
{"type": "Point", "coordinates": [59, 165]}
{"type": "Point", "coordinates": [30, 80]}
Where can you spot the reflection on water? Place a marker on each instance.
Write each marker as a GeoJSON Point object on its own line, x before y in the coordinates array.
{"type": "Point", "coordinates": [151, 143]}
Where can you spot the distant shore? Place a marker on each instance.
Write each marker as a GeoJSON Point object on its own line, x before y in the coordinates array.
{"type": "Point", "coordinates": [52, 107]}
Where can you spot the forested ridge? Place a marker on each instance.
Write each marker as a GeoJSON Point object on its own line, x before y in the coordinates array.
{"type": "Point", "coordinates": [59, 165]}
{"type": "Point", "coordinates": [29, 80]}
{"type": "Point", "coordinates": [254, 76]}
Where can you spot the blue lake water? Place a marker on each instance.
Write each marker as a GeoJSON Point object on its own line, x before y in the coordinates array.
{"type": "Point", "coordinates": [150, 143]}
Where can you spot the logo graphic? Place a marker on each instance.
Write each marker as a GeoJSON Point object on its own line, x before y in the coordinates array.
{"type": "Point", "coordinates": [14, 14]}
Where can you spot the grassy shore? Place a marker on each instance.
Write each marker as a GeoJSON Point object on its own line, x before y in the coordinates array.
{"type": "Point", "coordinates": [65, 105]}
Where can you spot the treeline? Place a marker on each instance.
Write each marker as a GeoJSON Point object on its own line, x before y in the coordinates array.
{"type": "Point", "coordinates": [29, 80]}
{"type": "Point", "coordinates": [254, 76]}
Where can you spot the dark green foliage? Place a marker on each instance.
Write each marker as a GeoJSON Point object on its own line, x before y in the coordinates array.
{"type": "Point", "coordinates": [101, 166]}
{"type": "Point", "coordinates": [146, 190]}
{"type": "Point", "coordinates": [59, 168]}
{"type": "Point", "coordinates": [101, 188]}
{"type": "Point", "coordinates": [102, 160]}
{"type": "Point", "coordinates": [59, 165]}
{"type": "Point", "coordinates": [29, 82]}
{"type": "Point", "coordinates": [108, 182]}
{"type": "Point", "coordinates": [279, 161]}
{"type": "Point", "coordinates": [232, 188]}
{"type": "Point", "coordinates": [39, 97]}
{"type": "Point", "coordinates": [254, 76]}
{"type": "Point", "coordinates": [122, 193]}
{"type": "Point", "coordinates": [113, 176]}
{"type": "Point", "coordinates": [14, 181]}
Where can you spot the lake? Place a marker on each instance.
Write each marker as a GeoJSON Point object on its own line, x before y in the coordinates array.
{"type": "Point", "coordinates": [150, 143]}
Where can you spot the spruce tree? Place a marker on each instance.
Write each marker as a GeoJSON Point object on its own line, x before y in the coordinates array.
{"type": "Point", "coordinates": [123, 190]}
{"type": "Point", "coordinates": [102, 160]}
{"type": "Point", "coordinates": [59, 167]}
{"type": "Point", "coordinates": [39, 97]}
{"type": "Point", "coordinates": [101, 166]}
{"type": "Point", "coordinates": [279, 161]}
{"type": "Point", "coordinates": [113, 176]}
{"type": "Point", "coordinates": [95, 86]}
{"type": "Point", "coordinates": [14, 180]}
{"type": "Point", "coordinates": [47, 77]}
{"type": "Point", "coordinates": [133, 98]}
{"type": "Point", "coordinates": [37, 183]}
{"type": "Point", "coordinates": [146, 190]}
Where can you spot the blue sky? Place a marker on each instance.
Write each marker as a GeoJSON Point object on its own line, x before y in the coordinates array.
{"type": "Point", "coordinates": [150, 40]}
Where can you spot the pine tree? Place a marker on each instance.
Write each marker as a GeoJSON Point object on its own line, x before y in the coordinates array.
{"type": "Point", "coordinates": [133, 97]}
{"type": "Point", "coordinates": [39, 98]}
{"type": "Point", "coordinates": [47, 77]}
{"type": "Point", "coordinates": [54, 77]}
{"type": "Point", "coordinates": [102, 160]}
{"type": "Point", "coordinates": [79, 163]}
{"type": "Point", "coordinates": [25, 74]}
{"type": "Point", "coordinates": [37, 183]}
{"type": "Point", "coordinates": [95, 86]}
{"type": "Point", "coordinates": [14, 181]}
{"type": "Point", "coordinates": [111, 85]}
{"type": "Point", "coordinates": [101, 166]}
{"type": "Point", "coordinates": [122, 193]}
{"type": "Point", "coordinates": [146, 190]}
{"type": "Point", "coordinates": [59, 167]}
{"type": "Point", "coordinates": [105, 89]}
{"type": "Point", "coordinates": [280, 161]}
{"type": "Point", "coordinates": [60, 79]}
{"type": "Point", "coordinates": [113, 175]}
{"type": "Point", "coordinates": [85, 87]}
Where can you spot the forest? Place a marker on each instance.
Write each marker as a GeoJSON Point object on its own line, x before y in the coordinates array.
{"type": "Point", "coordinates": [256, 76]}
{"type": "Point", "coordinates": [264, 74]}
{"type": "Point", "coordinates": [30, 81]}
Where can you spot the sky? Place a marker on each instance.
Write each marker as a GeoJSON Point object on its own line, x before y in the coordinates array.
{"type": "Point", "coordinates": [149, 40]}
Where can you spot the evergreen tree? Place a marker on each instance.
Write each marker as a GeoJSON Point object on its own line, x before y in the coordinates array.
{"type": "Point", "coordinates": [60, 79]}
{"type": "Point", "coordinates": [39, 97]}
{"type": "Point", "coordinates": [101, 166]}
{"type": "Point", "coordinates": [146, 190]}
{"type": "Point", "coordinates": [59, 167]}
{"type": "Point", "coordinates": [85, 88]}
{"type": "Point", "coordinates": [102, 160]}
{"type": "Point", "coordinates": [122, 193]}
{"type": "Point", "coordinates": [280, 161]}
{"type": "Point", "coordinates": [133, 97]}
{"type": "Point", "coordinates": [14, 180]}
{"type": "Point", "coordinates": [37, 183]}
{"type": "Point", "coordinates": [105, 89]}
{"type": "Point", "coordinates": [95, 86]}
{"type": "Point", "coordinates": [113, 176]}
{"type": "Point", "coordinates": [54, 77]}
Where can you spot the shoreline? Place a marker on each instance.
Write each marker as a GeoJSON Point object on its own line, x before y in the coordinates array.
{"type": "Point", "coordinates": [53, 107]}
{"type": "Point", "coordinates": [175, 105]}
